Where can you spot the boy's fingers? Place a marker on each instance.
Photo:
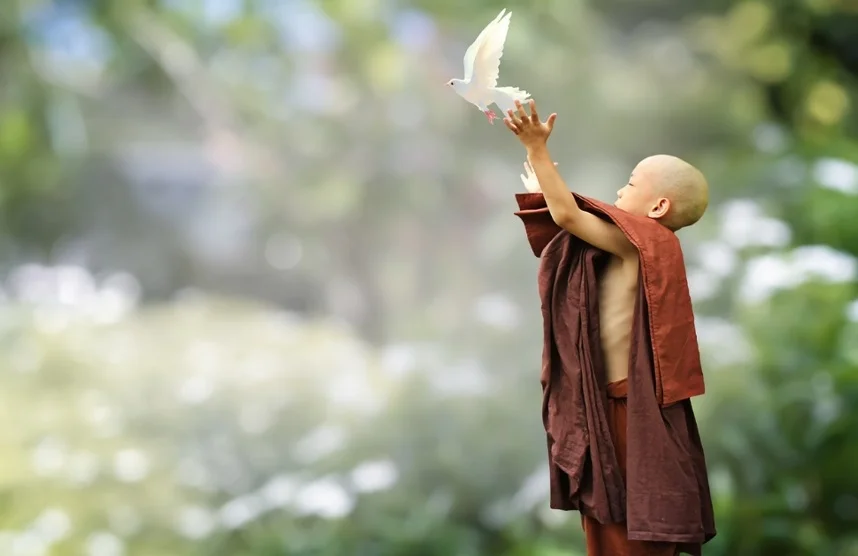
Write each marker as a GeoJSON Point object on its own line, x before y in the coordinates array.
{"type": "Point", "coordinates": [550, 121]}
{"type": "Point", "coordinates": [533, 115]}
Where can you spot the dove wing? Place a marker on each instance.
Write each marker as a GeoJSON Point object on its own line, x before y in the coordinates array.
{"type": "Point", "coordinates": [488, 55]}
{"type": "Point", "coordinates": [471, 53]}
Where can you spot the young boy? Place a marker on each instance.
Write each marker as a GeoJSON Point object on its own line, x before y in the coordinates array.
{"type": "Point", "coordinates": [619, 343]}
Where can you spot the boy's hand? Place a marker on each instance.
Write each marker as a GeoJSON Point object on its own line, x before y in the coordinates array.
{"type": "Point", "coordinates": [528, 178]}
{"type": "Point", "coordinates": [530, 130]}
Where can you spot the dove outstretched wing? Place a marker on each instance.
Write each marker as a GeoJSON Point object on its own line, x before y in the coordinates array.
{"type": "Point", "coordinates": [488, 55]}
{"type": "Point", "coordinates": [471, 53]}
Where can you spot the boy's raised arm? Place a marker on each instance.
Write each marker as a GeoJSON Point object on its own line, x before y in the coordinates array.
{"type": "Point", "coordinates": [566, 213]}
{"type": "Point", "coordinates": [562, 206]}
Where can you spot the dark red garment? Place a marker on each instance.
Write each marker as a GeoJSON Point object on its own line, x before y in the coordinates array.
{"type": "Point", "coordinates": [665, 496]}
{"type": "Point", "coordinates": [612, 538]}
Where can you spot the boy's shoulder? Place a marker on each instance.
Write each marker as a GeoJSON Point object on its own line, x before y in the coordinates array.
{"type": "Point", "coordinates": [641, 230]}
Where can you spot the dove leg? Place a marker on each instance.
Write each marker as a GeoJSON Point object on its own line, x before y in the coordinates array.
{"type": "Point", "coordinates": [490, 114]}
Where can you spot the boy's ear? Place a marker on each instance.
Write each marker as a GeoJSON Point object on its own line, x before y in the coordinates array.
{"type": "Point", "coordinates": [659, 210]}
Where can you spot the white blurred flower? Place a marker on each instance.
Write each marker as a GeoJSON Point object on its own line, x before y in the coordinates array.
{"type": "Point", "coordinates": [195, 522]}
{"type": "Point", "coordinates": [131, 466]}
{"type": "Point", "coordinates": [104, 544]}
{"type": "Point", "coordinates": [372, 476]}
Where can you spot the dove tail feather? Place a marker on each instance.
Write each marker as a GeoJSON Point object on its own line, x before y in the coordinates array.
{"type": "Point", "coordinates": [505, 97]}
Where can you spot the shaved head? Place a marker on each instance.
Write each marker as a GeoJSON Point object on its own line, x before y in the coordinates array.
{"type": "Point", "coordinates": [684, 185]}
{"type": "Point", "coordinates": [668, 189]}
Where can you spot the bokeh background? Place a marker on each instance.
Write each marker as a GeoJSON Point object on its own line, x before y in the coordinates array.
{"type": "Point", "coordinates": [263, 292]}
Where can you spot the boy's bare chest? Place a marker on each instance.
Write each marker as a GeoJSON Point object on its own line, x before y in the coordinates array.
{"type": "Point", "coordinates": [618, 287]}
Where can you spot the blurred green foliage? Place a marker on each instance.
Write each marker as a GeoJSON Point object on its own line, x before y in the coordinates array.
{"type": "Point", "coordinates": [380, 394]}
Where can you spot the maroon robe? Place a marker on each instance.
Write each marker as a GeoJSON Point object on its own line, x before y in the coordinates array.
{"type": "Point", "coordinates": [666, 493]}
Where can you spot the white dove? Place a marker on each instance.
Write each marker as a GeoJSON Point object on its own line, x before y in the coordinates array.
{"type": "Point", "coordinates": [482, 63]}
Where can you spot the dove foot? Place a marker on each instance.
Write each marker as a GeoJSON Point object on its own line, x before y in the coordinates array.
{"type": "Point", "coordinates": [490, 114]}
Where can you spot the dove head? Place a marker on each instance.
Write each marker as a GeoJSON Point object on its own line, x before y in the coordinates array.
{"type": "Point", "coordinates": [667, 189]}
{"type": "Point", "coordinates": [458, 85]}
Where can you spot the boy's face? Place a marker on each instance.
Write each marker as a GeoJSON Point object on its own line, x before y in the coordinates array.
{"type": "Point", "coordinates": [640, 195]}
